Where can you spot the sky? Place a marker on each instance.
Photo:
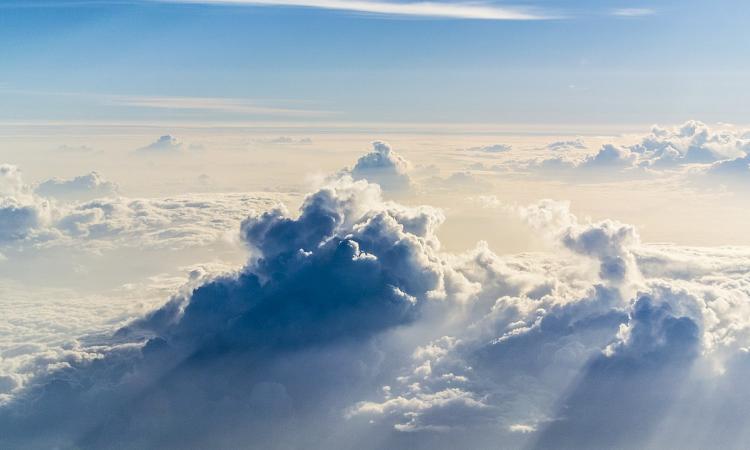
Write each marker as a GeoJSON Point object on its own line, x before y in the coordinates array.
{"type": "Point", "coordinates": [123, 61]}
{"type": "Point", "coordinates": [333, 224]}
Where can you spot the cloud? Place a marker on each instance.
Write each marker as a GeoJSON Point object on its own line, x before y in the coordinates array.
{"type": "Point", "coordinates": [692, 144]}
{"type": "Point", "coordinates": [608, 241]}
{"type": "Point", "coordinates": [629, 387]}
{"type": "Point", "coordinates": [350, 327]}
{"type": "Point", "coordinates": [733, 172]}
{"type": "Point", "coordinates": [31, 219]}
{"type": "Point", "coordinates": [413, 9]}
{"type": "Point", "coordinates": [577, 144]}
{"type": "Point", "coordinates": [211, 104]}
{"type": "Point", "coordinates": [633, 12]}
{"type": "Point", "coordinates": [286, 140]}
{"type": "Point", "coordinates": [496, 148]}
{"type": "Point", "coordinates": [279, 310]}
{"type": "Point", "coordinates": [164, 145]}
{"type": "Point", "coordinates": [383, 166]}
{"type": "Point", "coordinates": [83, 187]}
{"type": "Point", "coordinates": [21, 212]}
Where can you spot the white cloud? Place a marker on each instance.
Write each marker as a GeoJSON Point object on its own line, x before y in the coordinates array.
{"type": "Point", "coordinates": [164, 145]}
{"type": "Point", "coordinates": [683, 150]}
{"type": "Point", "coordinates": [383, 166]}
{"type": "Point", "coordinates": [83, 187]}
{"type": "Point", "coordinates": [415, 9]}
{"type": "Point", "coordinates": [633, 12]}
{"type": "Point", "coordinates": [211, 104]}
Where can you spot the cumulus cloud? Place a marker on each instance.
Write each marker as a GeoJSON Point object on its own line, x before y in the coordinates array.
{"type": "Point", "coordinates": [21, 212]}
{"type": "Point", "coordinates": [83, 187]}
{"type": "Point", "coordinates": [692, 144]}
{"type": "Point", "coordinates": [350, 327]}
{"type": "Point", "coordinates": [165, 144]}
{"type": "Point", "coordinates": [383, 166]}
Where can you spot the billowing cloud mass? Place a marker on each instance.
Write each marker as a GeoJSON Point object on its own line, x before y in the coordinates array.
{"type": "Point", "coordinates": [83, 187]}
{"type": "Point", "coordinates": [350, 327]}
{"type": "Point", "coordinates": [383, 166]}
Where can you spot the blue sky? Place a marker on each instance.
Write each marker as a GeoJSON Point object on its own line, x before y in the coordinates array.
{"type": "Point", "coordinates": [661, 61]}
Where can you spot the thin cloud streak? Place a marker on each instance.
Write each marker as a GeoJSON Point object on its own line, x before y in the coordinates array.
{"type": "Point", "coordinates": [218, 104]}
{"type": "Point", "coordinates": [472, 11]}
{"type": "Point", "coordinates": [633, 12]}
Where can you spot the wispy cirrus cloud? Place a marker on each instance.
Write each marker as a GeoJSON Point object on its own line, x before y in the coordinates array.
{"type": "Point", "coordinates": [474, 11]}
{"type": "Point", "coordinates": [215, 104]}
{"type": "Point", "coordinates": [633, 12]}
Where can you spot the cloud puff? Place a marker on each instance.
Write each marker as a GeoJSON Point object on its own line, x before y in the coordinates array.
{"type": "Point", "coordinates": [383, 166]}
{"type": "Point", "coordinates": [610, 242]}
{"type": "Point", "coordinates": [496, 148]}
{"type": "Point", "coordinates": [165, 144]}
{"type": "Point", "coordinates": [576, 144]}
{"type": "Point", "coordinates": [21, 212]}
{"type": "Point", "coordinates": [691, 144]}
{"type": "Point", "coordinates": [83, 187]}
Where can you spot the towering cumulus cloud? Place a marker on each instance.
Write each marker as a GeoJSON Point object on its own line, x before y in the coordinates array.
{"type": "Point", "coordinates": [284, 340]}
{"type": "Point", "coordinates": [20, 211]}
{"type": "Point", "coordinates": [349, 327]}
{"type": "Point", "coordinates": [383, 166]}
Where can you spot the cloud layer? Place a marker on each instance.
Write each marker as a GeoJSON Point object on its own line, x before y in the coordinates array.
{"type": "Point", "coordinates": [349, 326]}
